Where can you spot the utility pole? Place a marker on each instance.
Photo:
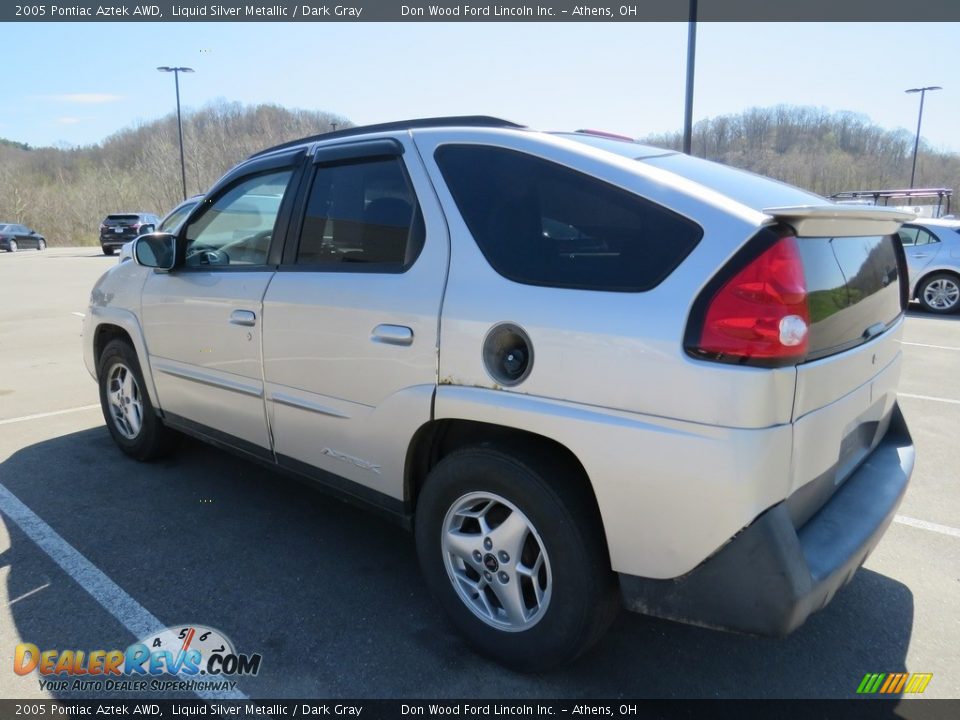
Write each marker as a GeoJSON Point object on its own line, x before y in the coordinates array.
{"type": "Point", "coordinates": [691, 59]}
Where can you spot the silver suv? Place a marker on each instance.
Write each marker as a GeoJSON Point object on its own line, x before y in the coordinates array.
{"type": "Point", "coordinates": [587, 373]}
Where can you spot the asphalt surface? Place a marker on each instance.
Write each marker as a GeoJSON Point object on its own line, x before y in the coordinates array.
{"type": "Point", "coordinates": [331, 596]}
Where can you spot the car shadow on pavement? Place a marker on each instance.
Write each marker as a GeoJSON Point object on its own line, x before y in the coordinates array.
{"type": "Point", "coordinates": [331, 596]}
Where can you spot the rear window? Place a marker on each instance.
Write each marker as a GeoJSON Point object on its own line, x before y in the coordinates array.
{"type": "Point", "coordinates": [539, 223]}
{"type": "Point", "coordinates": [123, 218]}
{"type": "Point", "coordinates": [853, 289]}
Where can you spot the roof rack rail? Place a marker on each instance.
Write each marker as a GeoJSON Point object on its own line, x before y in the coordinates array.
{"type": "Point", "coordinates": [941, 194]}
{"type": "Point", "coordinates": [456, 120]}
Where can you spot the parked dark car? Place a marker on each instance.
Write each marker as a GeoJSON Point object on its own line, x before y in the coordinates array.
{"type": "Point", "coordinates": [121, 228]}
{"type": "Point", "coordinates": [170, 224]}
{"type": "Point", "coordinates": [15, 237]}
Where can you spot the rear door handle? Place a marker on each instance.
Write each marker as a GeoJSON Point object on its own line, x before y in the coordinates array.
{"type": "Point", "coordinates": [247, 318]}
{"type": "Point", "coordinates": [392, 335]}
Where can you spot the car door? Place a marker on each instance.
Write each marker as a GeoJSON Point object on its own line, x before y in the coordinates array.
{"type": "Point", "coordinates": [920, 247]}
{"type": "Point", "coordinates": [202, 321]}
{"type": "Point", "coordinates": [351, 318]}
{"type": "Point", "coordinates": [24, 238]}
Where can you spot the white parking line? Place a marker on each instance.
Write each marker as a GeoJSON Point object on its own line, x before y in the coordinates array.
{"type": "Point", "coordinates": [929, 397]}
{"type": "Point", "coordinates": [24, 418]}
{"type": "Point", "coordinates": [79, 314]}
{"type": "Point", "coordinates": [111, 597]}
{"type": "Point", "coordinates": [935, 347]}
{"type": "Point", "coordinates": [924, 525]}
{"type": "Point", "coordinates": [28, 594]}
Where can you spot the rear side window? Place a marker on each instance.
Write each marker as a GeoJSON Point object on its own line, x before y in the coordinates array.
{"type": "Point", "coordinates": [911, 235]}
{"type": "Point", "coordinates": [361, 216]}
{"type": "Point", "coordinates": [540, 223]}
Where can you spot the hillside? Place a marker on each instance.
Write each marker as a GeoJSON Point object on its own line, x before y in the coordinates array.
{"type": "Point", "coordinates": [818, 150]}
{"type": "Point", "coordinates": [65, 193]}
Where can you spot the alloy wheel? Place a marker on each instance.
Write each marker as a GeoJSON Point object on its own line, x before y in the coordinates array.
{"type": "Point", "coordinates": [125, 400]}
{"type": "Point", "coordinates": [942, 293]}
{"type": "Point", "coordinates": [496, 561]}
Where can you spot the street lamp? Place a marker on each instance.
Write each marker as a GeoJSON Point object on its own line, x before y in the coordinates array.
{"type": "Point", "coordinates": [691, 60]}
{"type": "Point", "coordinates": [916, 143]}
{"type": "Point", "coordinates": [176, 81]}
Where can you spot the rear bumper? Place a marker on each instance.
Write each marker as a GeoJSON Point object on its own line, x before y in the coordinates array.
{"type": "Point", "coordinates": [771, 576]}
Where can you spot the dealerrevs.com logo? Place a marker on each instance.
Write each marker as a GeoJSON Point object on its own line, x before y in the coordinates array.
{"type": "Point", "coordinates": [185, 657]}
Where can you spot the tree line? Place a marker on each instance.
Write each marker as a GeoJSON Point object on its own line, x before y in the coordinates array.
{"type": "Point", "coordinates": [819, 150]}
{"type": "Point", "coordinates": [66, 192]}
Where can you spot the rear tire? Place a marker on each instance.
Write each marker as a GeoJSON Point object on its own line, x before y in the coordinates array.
{"type": "Point", "coordinates": [530, 583]}
{"type": "Point", "coordinates": [127, 410]}
{"type": "Point", "coordinates": [940, 293]}
{"type": "Point", "coordinates": [12, 247]}
{"type": "Point", "coordinates": [109, 251]}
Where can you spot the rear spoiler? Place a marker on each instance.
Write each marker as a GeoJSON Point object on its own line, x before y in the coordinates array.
{"type": "Point", "coordinates": [840, 220]}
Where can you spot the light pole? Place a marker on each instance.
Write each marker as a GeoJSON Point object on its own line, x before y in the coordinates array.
{"type": "Point", "coordinates": [916, 143]}
{"type": "Point", "coordinates": [176, 81]}
{"type": "Point", "coordinates": [691, 59]}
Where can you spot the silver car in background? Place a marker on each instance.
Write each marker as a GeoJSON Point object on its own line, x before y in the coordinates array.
{"type": "Point", "coordinates": [586, 372]}
{"type": "Point", "coordinates": [932, 248]}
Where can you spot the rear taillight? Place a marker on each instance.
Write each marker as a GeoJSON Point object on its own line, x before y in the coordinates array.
{"type": "Point", "coordinates": [760, 315]}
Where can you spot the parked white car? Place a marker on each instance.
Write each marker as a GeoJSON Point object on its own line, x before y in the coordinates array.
{"type": "Point", "coordinates": [588, 373]}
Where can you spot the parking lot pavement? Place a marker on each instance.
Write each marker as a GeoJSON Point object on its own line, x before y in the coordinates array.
{"type": "Point", "coordinates": [331, 596]}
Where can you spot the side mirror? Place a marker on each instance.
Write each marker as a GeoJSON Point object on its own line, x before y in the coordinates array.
{"type": "Point", "coordinates": [156, 250]}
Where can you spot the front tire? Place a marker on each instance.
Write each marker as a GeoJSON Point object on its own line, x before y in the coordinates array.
{"type": "Point", "coordinates": [127, 410]}
{"type": "Point", "coordinates": [511, 545]}
{"type": "Point", "coordinates": [940, 293]}
{"type": "Point", "coordinates": [12, 247]}
{"type": "Point", "coordinates": [41, 244]}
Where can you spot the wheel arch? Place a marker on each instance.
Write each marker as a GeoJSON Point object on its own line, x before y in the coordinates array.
{"type": "Point", "coordinates": [116, 324]}
{"type": "Point", "coordinates": [927, 273]}
{"type": "Point", "coordinates": [437, 439]}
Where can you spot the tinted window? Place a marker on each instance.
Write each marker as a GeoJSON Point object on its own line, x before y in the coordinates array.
{"type": "Point", "coordinates": [237, 228]}
{"type": "Point", "coordinates": [539, 223]}
{"type": "Point", "coordinates": [853, 284]}
{"type": "Point", "coordinates": [361, 216]}
{"type": "Point", "coordinates": [123, 218]}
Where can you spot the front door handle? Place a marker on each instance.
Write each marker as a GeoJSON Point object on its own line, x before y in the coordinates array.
{"type": "Point", "coordinates": [247, 318]}
{"type": "Point", "coordinates": [920, 255]}
{"type": "Point", "coordinates": [392, 335]}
